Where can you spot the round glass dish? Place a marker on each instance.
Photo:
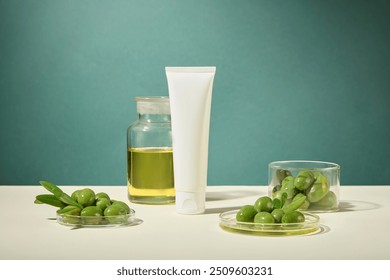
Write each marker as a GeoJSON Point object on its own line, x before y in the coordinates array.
{"type": "Point", "coordinates": [94, 221]}
{"type": "Point", "coordinates": [310, 225]}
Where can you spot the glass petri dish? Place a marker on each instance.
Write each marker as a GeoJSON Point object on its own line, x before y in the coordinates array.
{"type": "Point", "coordinates": [94, 221]}
{"type": "Point", "coordinates": [229, 223]}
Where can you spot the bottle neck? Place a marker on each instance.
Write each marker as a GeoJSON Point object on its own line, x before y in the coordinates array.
{"type": "Point", "coordinates": [154, 118]}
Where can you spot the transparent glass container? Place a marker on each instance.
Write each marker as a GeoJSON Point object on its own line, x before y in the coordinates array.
{"type": "Point", "coordinates": [318, 181]}
{"type": "Point", "coordinates": [149, 153]}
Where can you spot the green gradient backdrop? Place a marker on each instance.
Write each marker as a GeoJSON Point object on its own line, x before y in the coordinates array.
{"type": "Point", "coordinates": [295, 80]}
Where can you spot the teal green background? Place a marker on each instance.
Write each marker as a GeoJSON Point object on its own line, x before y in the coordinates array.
{"type": "Point", "coordinates": [303, 79]}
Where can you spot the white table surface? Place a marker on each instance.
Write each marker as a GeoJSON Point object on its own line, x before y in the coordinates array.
{"type": "Point", "coordinates": [360, 230]}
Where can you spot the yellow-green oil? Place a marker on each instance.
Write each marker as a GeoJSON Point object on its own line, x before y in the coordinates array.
{"type": "Point", "coordinates": [150, 175]}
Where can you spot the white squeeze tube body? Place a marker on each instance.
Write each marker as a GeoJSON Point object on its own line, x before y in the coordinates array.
{"type": "Point", "coordinates": [190, 91]}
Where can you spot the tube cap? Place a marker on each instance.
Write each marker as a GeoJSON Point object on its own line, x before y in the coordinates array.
{"type": "Point", "coordinates": [190, 202]}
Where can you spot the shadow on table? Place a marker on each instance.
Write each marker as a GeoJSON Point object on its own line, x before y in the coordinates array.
{"type": "Point", "coordinates": [134, 222]}
{"type": "Point", "coordinates": [323, 229]}
{"type": "Point", "coordinates": [353, 205]}
{"type": "Point", "coordinates": [226, 195]}
{"type": "Point", "coordinates": [221, 209]}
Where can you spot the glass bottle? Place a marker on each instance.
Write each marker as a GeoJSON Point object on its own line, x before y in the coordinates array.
{"type": "Point", "coordinates": [149, 153]}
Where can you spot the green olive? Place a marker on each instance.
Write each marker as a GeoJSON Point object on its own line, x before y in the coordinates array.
{"type": "Point", "coordinates": [246, 213]}
{"type": "Point", "coordinates": [317, 175]}
{"type": "Point", "coordinates": [103, 203]}
{"type": "Point", "coordinates": [277, 214]}
{"type": "Point", "coordinates": [263, 204]}
{"type": "Point", "coordinates": [288, 187]}
{"type": "Point", "coordinates": [70, 214]}
{"type": "Point", "coordinates": [327, 203]}
{"type": "Point", "coordinates": [264, 218]}
{"type": "Point", "coordinates": [75, 194]}
{"type": "Point", "coordinates": [304, 180]}
{"type": "Point", "coordinates": [115, 214]}
{"type": "Point", "coordinates": [281, 174]}
{"type": "Point", "coordinates": [91, 211]}
{"type": "Point", "coordinates": [319, 189]}
{"type": "Point", "coordinates": [293, 217]}
{"type": "Point", "coordinates": [86, 197]}
{"type": "Point", "coordinates": [122, 205]}
{"type": "Point", "coordinates": [114, 210]}
{"type": "Point", "coordinates": [101, 195]}
{"type": "Point", "coordinates": [91, 215]}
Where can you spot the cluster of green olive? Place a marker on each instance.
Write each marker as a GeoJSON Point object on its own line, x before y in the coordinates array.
{"type": "Point", "coordinates": [84, 206]}
{"type": "Point", "coordinates": [269, 211]}
{"type": "Point", "coordinates": [314, 185]}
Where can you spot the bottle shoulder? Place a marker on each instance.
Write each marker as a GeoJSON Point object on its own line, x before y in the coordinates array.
{"type": "Point", "coordinates": [148, 124]}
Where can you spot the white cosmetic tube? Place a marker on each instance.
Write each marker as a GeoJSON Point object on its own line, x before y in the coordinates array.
{"type": "Point", "coordinates": [190, 91]}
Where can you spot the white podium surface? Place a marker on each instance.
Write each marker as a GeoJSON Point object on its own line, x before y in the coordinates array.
{"type": "Point", "coordinates": [360, 230]}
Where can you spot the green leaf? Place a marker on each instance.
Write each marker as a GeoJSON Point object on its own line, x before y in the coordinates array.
{"type": "Point", "coordinates": [49, 199]}
{"type": "Point", "coordinates": [69, 200]}
{"type": "Point", "coordinates": [58, 193]}
{"type": "Point", "coordinates": [70, 210]}
{"type": "Point", "coordinates": [283, 198]}
{"type": "Point", "coordinates": [294, 205]}
{"type": "Point", "coordinates": [52, 188]}
{"type": "Point", "coordinates": [277, 203]}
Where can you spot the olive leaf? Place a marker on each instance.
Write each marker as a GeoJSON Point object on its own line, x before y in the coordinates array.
{"type": "Point", "coordinates": [69, 210]}
{"type": "Point", "coordinates": [277, 203]}
{"type": "Point", "coordinates": [283, 198]}
{"type": "Point", "coordinates": [294, 205]}
{"type": "Point", "coordinates": [49, 199]}
{"type": "Point", "coordinates": [58, 193]}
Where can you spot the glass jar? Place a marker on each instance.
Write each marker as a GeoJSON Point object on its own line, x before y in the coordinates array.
{"type": "Point", "coordinates": [317, 180]}
{"type": "Point", "coordinates": [149, 153]}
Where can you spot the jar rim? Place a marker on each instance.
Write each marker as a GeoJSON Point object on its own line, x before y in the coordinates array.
{"type": "Point", "coordinates": [311, 164]}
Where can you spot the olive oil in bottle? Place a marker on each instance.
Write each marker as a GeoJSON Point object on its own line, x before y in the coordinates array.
{"type": "Point", "coordinates": [149, 153]}
{"type": "Point", "coordinates": [150, 175]}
